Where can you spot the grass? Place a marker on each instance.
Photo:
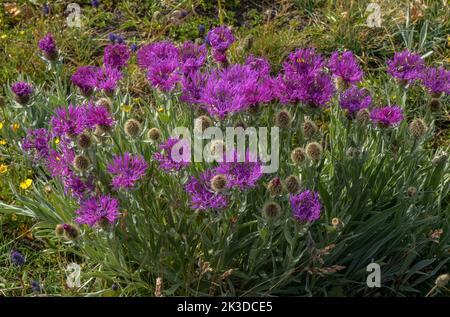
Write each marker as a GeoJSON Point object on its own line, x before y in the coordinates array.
{"type": "Point", "coordinates": [263, 29]}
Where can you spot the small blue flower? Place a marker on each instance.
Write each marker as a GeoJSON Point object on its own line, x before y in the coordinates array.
{"type": "Point", "coordinates": [45, 9]}
{"type": "Point", "coordinates": [112, 37]}
{"type": "Point", "coordinates": [134, 47]}
{"type": "Point", "coordinates": [36, 286]}
{"type": "Point", "coordinates": [17, 258]}
{"type": "Point", "coordinates": [95, 3]}
{"type": "Point", "coordinates": [201, 30]}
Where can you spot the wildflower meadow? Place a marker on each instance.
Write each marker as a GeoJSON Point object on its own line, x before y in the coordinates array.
{"type": "Point", "coordinates": [211, 148]}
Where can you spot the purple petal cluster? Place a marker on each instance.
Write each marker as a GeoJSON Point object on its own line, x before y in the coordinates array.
{"type": "Point", "coordinates": [47, 45]}
{"type": "Point", "coordinates": [107, 78]}
{"type": "Point", "coordinates": [116, 56]}
{"type": "Point", "coordinates": [164, 76]}
{"type": "Point", "coordinates": [98, 211]}
{"type": "Point", "coordinates": [387, 116]}
{"type": "Point", "coordinates": [78, 188]}
{"type": "Point", "coordinates": [22, 89]}
{"type": "Point", "coordinates": [126, 170]}
{"type": "Point", "coordinates": [355, 99]}
{"type": "Point", "coordinates": [192, 87]}
{"type": "Point", "coordinates": [69, 121]}
{"type": "Point", "coordinates": [37, 142]}
{"type": "Point", "coordinates": [405, 66]}
{"type": "Point", "coordinates": [202, 197]}
{"type": "Point", "coordinates": [220, 39]}
{"type": "Point", "coordinates": [84, 78]}
{"type": "Point", "coordinates": [436, 80]}
{"type": "Point", "coordinates": [98, 115]}
{"type": "Point", "coordinates": [259, 65]}
{"type": "Point", "coordinates": [192, 57]}
{"type": "Point", "coordinates": [305, 206]}
{"type": "Point", "coordinates": [166, 159]}
{"type": "Point", "coordinates": [346, 67]}
{"type": "Point", "coordinates": [17, 258]}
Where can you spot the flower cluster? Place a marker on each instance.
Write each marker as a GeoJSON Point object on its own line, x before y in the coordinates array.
{"type": "Point", "coordinates": [306, 206]}
{"type": "Point", "coordinates": [48, 46]}
{"type": "Point", "coordinates": [126, 170]}
{"type": "Point", "coordinates": [405, 66]}
{"type": "Point", "coordinates": [387, 116]}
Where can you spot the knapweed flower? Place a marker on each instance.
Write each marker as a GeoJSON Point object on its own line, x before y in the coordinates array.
{"type": "Point", "coordinates": [303, 61]}
{"type": "Point", "coordinates": [84, 78]}
{"type": "Point", "coordinates": [306, 206]}
{"type": "Point", "coordinates": [220, 38]}
{"type": "Point", "coordinates": [171, 160]}
{"type": "Point", "coordinates": [116, 55]}
{"type": "Point", "coordinates": [17, 258]}
{"type": "Point", "coordinates": [48, 46]}
{"type": "Point", "coordinates": [98, 115]}
{"type": "Point", "coordinates": [240, 172]}
{"type": "Point", "coordinates": [405, 66]}
{"type": "Point", "coordinates": [36, 286]}
{"type": "Point", "coordinates": [70, 121]}
{"type": "Point", "coordinates": [316, 89]}
{"type": "Point", "coordinates": [37, 143]}
{"type": "Point", "coordinates": [126, 170]}
{"type": "Point", "coordinates": [192, 57]}
{"type": "Point", "coordinates": [107, 78]}
{"type": "Point", "coordinates": [154, 54]}
{"type": "Point", "coordinates": [258, 64]}
{"type": "Point", "coordinates": [271, 210]}
{"type": "Point", "coordinates": [387, 116]}
{"type": "Point", "coordinates": [59, 162]}
{"type": "Point", "coordinates": [78, 188]}
{"type": "Point", "coordinates": [345, 67]}
{"type": "Point", "coordinates": [436, 80]}
{"type": "Point", "coordinates": [99, 210]}
{"type": "Point", "coordinates": [202, 197]}
{"type": "Point", "coordinates": [164, 76]}
{"type": "Point", "coordinates": [192, 87]}
{"type": "Point", "coordinates": [355, 99]}
{"type": "Point", "coordinates": [23, 91]}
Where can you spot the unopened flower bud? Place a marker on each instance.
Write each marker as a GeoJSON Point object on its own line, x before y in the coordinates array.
{"type": "Point", "coordinates": [418, 128]}
{"type": "Point", "coordinates": [271, 210]}
{"type": "Point", "coordinates": [292, 184]}
{"type": "Point", "coordinates": [132, 128]}
{"type": "Point", "coordinates": [314, 151]}
{"type": "Point", "coordinates": [283, 119]}
{"type": "Point", "coordinates": [298, 156]}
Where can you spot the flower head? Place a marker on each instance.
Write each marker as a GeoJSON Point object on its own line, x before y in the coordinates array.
{"type": "Point", "coordinates": [259, 65]}
{"type": "Point", "coordinates": [316, 89]}
{"type": "Point", "coordinates": [436, 80]}
{"type": "Point", "coordinates": [48, 46]}
{"type": "Point", "coordinates": [387, 116]}
{"type": "Point", "coordinates": [202, 196]}
{"type": "Point", "coordinates": [192, 87]}
{"type": "Point", "coordinates": [220, 38]}
{"type": "Point", "coordinates": [192, 57]}
{"type": "Point", "coordinates": [98, 115]}
{"type": "Point", "coordinates": [70, 121]}
{"type": "Point", "coordinates": [37, 141]}
{"type": "Point", "coordinates": [98, 210]}
{"type": "Point", "coordinates": [116, 55]}
{"type": "Point", "coordinates": [405, 66]}
{"type": "Point", "coordinates": [84, 78]}
{"type": "Point", "coordinates": [152, 55]}
{"type": "Point", "coordinates": [306, 206]}
{"type": "Point", "coordinates": [164, 76]}
{"type": "Point", "coordinates": [302, 62]}
{"type": "Point", "coordinates": [106, 78]}
{"type": "Point", "coordinates": [167, 160]}
{"type": "Point", "coordinates": [17, 258]}
{"type": "Point", "coordinates": [355, 99]}
{"type": "Point", "coordinates": [126, 170]}
{"type": "Point", "coordinates": [346, 67]}
{"type": "Point", "coordinates": [22, 89]}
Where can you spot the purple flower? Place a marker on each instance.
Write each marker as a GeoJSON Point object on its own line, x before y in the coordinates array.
{"type": "Point", "coordinates": [59, 163]}
{"type": "Point", "coordinates": [305, 206]}
{"type": "Point", "coordinates": [316, 89]}
{"type": "Point", "coordinates": [202, 197]}
{"type": "Point", "coordinates": [220, 38]}
{"type": "Point", "coordinates": [106, 78]}
{"type": "Point", "coordinates": [22, 89]}
{"type": "Point", "coordinates": [192, 57]}
{"type": "Point", "coordinates": [134, 47]}
{"type": "Point", "coordinates": [387, 116]}
{"type": "Point", "coordinates": [192, 87]}
{"type": "Point", "coordinates": [166, 159]}
{"type": "Point", "coordinates": [436, 80]}
{"type": "Point", "coordinates": [303, 62]}
{"type": "Point", "coordinates": [37, 141]}
{"type": "Point", "coordinates": [112, 37]}
{"type": "Point", "coordinates": [84, 78]}
{"type": "Point", "coordinates": [126, 170]}
{"type": "Point", "coordinates": [201, 30]}
{"type": "Point", "coordinates": [116, 55]}
{"type": "Point", "coordinates": [70, 121]}
{"type": "Point", "coordinates": [95, 3]}
{"type": "Point", "coordinates": [152, 55]}
{"type": "Point", "coordinates": [36, 286]}
{"type": "Point", "coordinates": [346, 67]}
{"type": "Point", "coordinates": [48, 46]}
{"type": "Point", "coordinates": [258, 64]}
{"type": "Point", "coordinates": [98, 211]}
{"type": "Point", "coordinates": [77, 187]}
{"type": "Point", "coordinates": [241, 172]}
{"type": "Point", "coordinates": [355, 99]}
{"type": "Point", "coordinates": [45, 9]}
{"type": "Point", "coordinates": [405, 66]}
{"type": "Point", "coordinates": [98, 115]}
{"type": "Point", "coordinates": [17, 258]}
{"type": "Point", "coordinates": [164, 76]}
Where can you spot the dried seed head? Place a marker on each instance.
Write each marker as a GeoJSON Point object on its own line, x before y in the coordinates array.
{"type": "Point", "coordinates": [84, 141]}
{"type": "Point", "coordinates": [442, 280]}
{"type": "Point", "coordinates": [71, 232]}
{"type": "Point", "coordinates": [271, 210]}
{"type": "Point", "coordinates": [353, 152]}
{"type": "Point", "coordinates": [435, 105]}
{"type": "Point", "coordinates": [412, 191]}
{"type": "Point", "coordinates": [336, 223]}
{"type": "Point", "coordinates": [418, 128]}
{"type": "Point", "coordinates": [48, 189]}
{"type": "Point", "coordinates": [81, 163]}
{"type": "Point", "coordinates": [283, 119]}
{"type": "Point", "coordinates": [298, 156]}
{"type": "Point", "coordinates": [203, 122]}
{"type": "Point", "coordinates": [253, 110]}
{"type": "Point", "coordinates": [363, 116]}
{"type": "Point", "coordinates": [104, 102]}
{"type": "Point", "coordinates": [275, 187]}
{"type": "Point", "coordinates": [314, 151]}
{"type": "Point", "coordinates": [22, 99]}
{"type": "Point", "coordinates": [154, 134]}
{"type": "Point", "coordinates": [292, 184]}
{"type": "Point", "coordinates": [309, 129]}
{"type": "Point", "coordinates": [101, 129]}
{"type": "Point", "coordinates": [218, 182]}
{"type": "Point", "coordinates": [441, 158]}
{"type": "Point", "coordinates": [132, 128]}
{"type": "Point", "coordinates": [59, 230]}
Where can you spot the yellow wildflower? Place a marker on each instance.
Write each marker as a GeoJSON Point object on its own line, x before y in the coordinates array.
{"type": "Point", "coordinates": [1, 125]}
{"type": "Point", "coordinates": [126, 108]}
{"type": "Point", "coordinates": [26, 183]}
{"type": "Point", "coordinates": [22, 32]}
{"type": "Point", "coordinates": [161, 109]}
{"type": "Point", "coordinates": [3, 168]}
{"type": "Point", "coordinates": [3, 36]}
{"type": "Point", "coordinates": [15, 127]}
{"type": "Point", "coordinates": [3, 142]}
